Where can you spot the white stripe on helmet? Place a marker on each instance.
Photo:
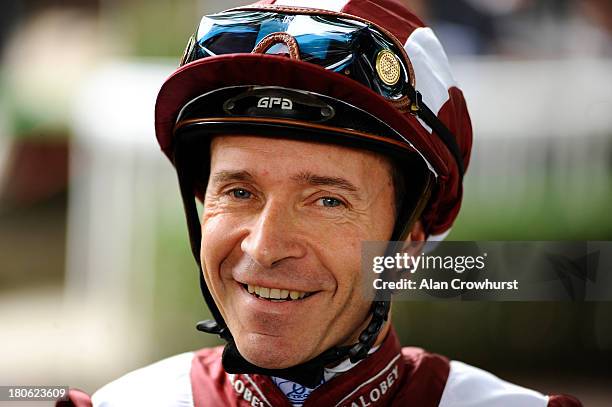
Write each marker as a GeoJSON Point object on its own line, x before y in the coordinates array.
{"type": "Point", "coordinates": [431, 69]}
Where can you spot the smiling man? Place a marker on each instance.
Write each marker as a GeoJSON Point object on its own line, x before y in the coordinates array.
{"type": "Point", "coordinates": [282, 229]}
{"type": "Point", "coordinates": [307, 128]}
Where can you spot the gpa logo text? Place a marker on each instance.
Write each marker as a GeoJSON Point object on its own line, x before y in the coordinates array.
{"type": "Point", "coordinates": [268, 102]}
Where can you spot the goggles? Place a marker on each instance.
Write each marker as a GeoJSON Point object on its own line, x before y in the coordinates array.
{"type": "Point", "coordinates": [348, 46]}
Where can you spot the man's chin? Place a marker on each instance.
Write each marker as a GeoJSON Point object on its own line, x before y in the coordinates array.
{"type": "Point", "coordinates": [274, 352]}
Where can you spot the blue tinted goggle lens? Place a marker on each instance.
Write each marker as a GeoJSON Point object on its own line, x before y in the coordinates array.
{"type": "Point", "coordinates": [342, 45]}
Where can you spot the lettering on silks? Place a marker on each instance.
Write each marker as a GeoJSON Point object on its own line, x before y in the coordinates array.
{"type": "Point", "coordinates": [375, 394]}
{"type": "Point", "coordinates": [244, 392]}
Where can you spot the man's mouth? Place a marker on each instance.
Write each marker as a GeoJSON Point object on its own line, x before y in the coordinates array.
{"type": "Point", "coordinates": [275, 294]}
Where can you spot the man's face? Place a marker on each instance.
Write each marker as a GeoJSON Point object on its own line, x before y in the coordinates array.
{"type": "Point", "coordinates": [286, 219]}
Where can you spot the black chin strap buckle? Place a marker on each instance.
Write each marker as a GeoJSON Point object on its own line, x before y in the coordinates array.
{"type": "Point", "coordinates": [212, 327]}
{"type": "Point", "coordinates": [380, 312]}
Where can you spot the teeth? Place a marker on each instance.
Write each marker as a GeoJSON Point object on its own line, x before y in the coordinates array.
{"type": "Point", "coordinates": [275, 294]}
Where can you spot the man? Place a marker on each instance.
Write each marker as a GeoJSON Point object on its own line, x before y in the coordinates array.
{"type": "Point", "coordinates": [307, 128]}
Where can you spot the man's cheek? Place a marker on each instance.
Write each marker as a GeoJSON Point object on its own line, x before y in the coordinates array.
{"type": "Point", "coordinates": [213, 223]}
{"type": "Point", "coordinates": [216, 239]}
{"type": "Point", "coordinates": [345, 263]}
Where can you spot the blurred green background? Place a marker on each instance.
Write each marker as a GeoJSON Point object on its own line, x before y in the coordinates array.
{"type": "Point", "coordinates": [96, 275]}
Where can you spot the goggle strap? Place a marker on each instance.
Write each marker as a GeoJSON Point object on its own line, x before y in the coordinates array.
{"type": "Point", "coordinates": [420, 109]}
{"type": "Point", "coordinates": [278, 38]}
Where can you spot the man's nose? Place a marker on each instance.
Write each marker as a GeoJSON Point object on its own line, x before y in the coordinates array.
{"type": "Point", "coordinates": [273, 236]}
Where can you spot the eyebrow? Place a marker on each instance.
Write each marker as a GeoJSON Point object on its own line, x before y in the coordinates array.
{"type": "Point", "coordinates": [227, 176]}
{"type": "Point", "coordinates": [321, 180]}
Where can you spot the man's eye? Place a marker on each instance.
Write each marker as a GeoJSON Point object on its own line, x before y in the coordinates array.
{"type": "Point", "coordinates": [329, 202]}
{"type": "Point", "coordinates": [240, 193]}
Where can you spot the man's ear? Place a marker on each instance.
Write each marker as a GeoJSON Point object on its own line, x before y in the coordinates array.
{"type": "Point", "coordinates": [416, 239]}
{"type": "Point", "coordinates": [417, 233]}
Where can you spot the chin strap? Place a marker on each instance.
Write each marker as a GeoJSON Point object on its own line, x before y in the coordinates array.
{"type": "Point", "coordinates": [309, 373]}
